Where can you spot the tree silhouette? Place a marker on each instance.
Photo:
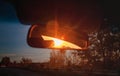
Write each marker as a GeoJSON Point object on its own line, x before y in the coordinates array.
{"type": "Point", "coordinates": [26, 60]}
{"type": "Point", "coordinates": [103, 50]}
{"type": "Point", "coordinates": [5, 61]}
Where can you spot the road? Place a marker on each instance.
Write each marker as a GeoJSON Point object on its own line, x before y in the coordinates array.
{"type": "Point", "coordinates": [18, 72]}
{"type": "Point", "coordinates": [21, 72]}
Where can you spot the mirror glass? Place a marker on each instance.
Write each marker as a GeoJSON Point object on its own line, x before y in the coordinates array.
{"type": "Point", "coordinates": [52, 36]}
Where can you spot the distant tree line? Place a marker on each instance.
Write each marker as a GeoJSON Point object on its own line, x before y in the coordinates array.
{"type": "Point", "coordinates": [6, 61]}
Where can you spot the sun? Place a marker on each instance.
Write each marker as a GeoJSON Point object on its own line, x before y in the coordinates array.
{"type": "Point", "coordinates": [57, 42]}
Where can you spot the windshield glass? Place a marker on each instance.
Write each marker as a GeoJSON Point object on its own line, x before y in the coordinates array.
{"type": "Point", "coordinates": [102, 58]}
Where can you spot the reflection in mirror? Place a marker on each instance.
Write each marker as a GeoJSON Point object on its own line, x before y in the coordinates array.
{"type": "Point", "coordinates": [60, 43]}
{"type": "Point", "coordinates": [54, 37]}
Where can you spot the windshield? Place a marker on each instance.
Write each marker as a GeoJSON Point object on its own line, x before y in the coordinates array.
{"type": "Point", "coordinates": [102, 58]}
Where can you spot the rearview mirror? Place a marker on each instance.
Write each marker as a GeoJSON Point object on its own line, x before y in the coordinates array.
{"type": "Point", "coordinates": [52, 36]}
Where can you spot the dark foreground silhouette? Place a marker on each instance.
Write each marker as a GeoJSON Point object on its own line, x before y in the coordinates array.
{"type": "Point", "coordinates": [22, 72]}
